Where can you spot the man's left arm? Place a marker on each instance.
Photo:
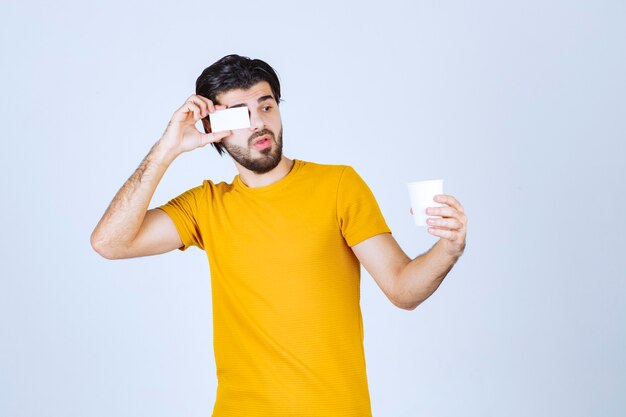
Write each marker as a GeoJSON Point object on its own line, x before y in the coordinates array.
{"type": "Point", "coordinates": [407, 283]}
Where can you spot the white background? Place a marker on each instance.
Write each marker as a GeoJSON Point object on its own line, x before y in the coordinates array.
{"type": "Point", "coordinates": [519, 106]}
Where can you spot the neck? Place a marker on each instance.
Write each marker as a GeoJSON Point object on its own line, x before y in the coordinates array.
{"type": "Point", "coordinates": [254, 180]}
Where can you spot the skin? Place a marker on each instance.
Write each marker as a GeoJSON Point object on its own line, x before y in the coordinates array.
{"type": "Point", "coordinates": [409, 282]}
{"type": "Point", "coordinates": [128, 229]}
{"type": "Point", "coordinates": [265, 120]}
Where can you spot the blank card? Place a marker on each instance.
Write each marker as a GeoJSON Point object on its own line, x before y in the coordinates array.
{"type": "Point", "coordinates": [229, 119]}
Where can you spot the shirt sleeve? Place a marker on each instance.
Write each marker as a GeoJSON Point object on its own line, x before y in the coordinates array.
{"type": "Point", "coordinates": [358, 213]}
{"type": "Point", "coordinates": [183, 210]}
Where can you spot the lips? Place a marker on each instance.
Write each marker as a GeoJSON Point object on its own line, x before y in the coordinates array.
{"type": "Point", "coordinates": [262, 142]}
{"type": "Point", "coordinates": [259, 139]}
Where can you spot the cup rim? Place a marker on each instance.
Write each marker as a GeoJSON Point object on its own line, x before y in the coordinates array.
{"type": "Point", "coordinates": [425, 181]}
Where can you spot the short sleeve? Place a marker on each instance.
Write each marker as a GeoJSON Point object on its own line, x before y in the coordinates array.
{"type": "Point", "coordinates": [358, 213]}
{"type": "Point", "coordinates": [183, 210]}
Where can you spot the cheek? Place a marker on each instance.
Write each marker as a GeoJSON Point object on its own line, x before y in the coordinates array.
{"type": "Point", "coordinates": [237, 139]}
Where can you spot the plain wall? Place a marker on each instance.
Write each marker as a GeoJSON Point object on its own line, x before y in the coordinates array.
{"type": "Point", "coordinates": [519, 106]}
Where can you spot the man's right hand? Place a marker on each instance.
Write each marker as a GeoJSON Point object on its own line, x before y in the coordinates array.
{"type": "Point", "coordinates": [182, 135]}
{"type": "Point", "coordinates": [127, 228]}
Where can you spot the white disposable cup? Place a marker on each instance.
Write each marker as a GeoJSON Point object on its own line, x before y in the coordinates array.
{"type": "Point", "coordinates": [422, 194]}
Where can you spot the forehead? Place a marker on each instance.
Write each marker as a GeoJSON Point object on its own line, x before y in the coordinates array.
{"type": "Point", "coordinates": [247, 96]}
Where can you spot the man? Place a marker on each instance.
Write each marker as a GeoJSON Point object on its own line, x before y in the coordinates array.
{"type": "Point", "coordinates": [284, 241]}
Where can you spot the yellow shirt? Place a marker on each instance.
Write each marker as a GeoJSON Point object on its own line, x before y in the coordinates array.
{"type": "Point", "coordinates": [287, 325]}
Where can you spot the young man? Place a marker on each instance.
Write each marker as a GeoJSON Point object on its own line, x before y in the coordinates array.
{"type": "Point", "coordinates": [284, 241]}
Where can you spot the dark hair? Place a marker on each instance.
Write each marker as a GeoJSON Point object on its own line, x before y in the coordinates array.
{"type": "Point", "coordinates": [235, 72]}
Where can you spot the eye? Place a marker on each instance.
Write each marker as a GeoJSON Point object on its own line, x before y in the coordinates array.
{"type": "Point", "coordinates": [266, 108]}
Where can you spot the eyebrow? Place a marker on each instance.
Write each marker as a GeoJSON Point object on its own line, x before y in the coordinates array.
{"type": "Point", "coordinates": [259, 100]}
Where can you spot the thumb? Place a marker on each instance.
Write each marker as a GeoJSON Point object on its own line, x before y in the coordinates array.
{"type": "Point", "coordinates": [214, 136]}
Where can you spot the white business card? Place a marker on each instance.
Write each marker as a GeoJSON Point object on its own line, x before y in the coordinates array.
{"type": "Point", "coordinates": [229, 119]}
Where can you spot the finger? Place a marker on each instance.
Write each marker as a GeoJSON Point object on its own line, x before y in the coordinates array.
{"type": "Point", "coordinates": [446, 234]}
{"type": "Point", "coordinates": [216, 107]}
{"type": "Point", "coordinates": [215, 137]}
{"type": "Point", "coordinates": [444, 211]}
{"type": "Point", "coordinates": [209, 104]}
{"type": "Point", "coordinates": [411, 210]}
{"type": "Point", "coordinates": [452, 224]}
{"type": "Point", "coordinates": [447, 212]}
{"type": "Point", "coordinates": [201, 102]}
{"type": "Point", "coordinates": [449, 200]}
{"type": "Point", "coordinates": [183, 112]}
{"type": "Point", "coordinates": [193, 108]}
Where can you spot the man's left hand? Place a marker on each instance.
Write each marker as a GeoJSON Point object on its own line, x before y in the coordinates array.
{"type": "Point", "coordinates": [451, 227]}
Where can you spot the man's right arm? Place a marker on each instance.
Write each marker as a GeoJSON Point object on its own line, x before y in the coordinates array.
{"type": "Point", "coordinates": [128, 229]}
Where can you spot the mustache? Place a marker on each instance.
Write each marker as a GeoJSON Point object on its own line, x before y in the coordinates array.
{"type": "Point", "coordinates": [259, 134]}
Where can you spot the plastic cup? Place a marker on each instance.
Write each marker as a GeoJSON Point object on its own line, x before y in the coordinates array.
{"type": "Point", "coordinates": [421, 194]}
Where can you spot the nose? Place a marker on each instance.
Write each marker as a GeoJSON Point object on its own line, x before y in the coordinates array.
{"type": "Point", "coordinates": [256, 120]}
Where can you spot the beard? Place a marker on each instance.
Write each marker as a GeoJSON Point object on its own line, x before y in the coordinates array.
{"type": "Point", "coordinates": [270, 156]}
